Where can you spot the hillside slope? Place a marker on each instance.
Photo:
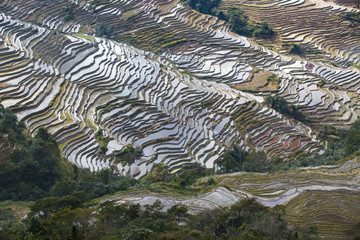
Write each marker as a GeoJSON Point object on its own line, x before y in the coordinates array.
{"type": "Point", "coordinates": [176, 107]}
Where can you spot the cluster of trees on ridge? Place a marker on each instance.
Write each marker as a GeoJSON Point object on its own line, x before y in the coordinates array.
{"type": "Point", "coordinates": [239, 22]}
{"type": "Point", "coordinates": [281, 105]}
{"type": "Point", "coordinates": [204, 6]}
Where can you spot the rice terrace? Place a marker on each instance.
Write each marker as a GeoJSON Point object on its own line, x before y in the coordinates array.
{"type": "Point", "coordinates": [180, 119]}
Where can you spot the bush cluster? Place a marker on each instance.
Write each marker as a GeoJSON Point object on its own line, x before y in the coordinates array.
{"type": "Point", "coordinates": [281, 105]}
{"type": "Point", "coordinates": [69, 10]}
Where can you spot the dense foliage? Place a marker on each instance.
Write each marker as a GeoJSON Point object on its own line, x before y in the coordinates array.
{"type": "Point", "coordinates": [69, 10]}
{"type": "Point", "coordinates": [9, 125]}
{"type": "Point", "coordinates": [204, 6]}
{"type": "Point", "coordinates": [281, 105]}
{"type": "Point", "coordinates": [70, 217]}
{"type": "Point", "coordinates": [102, 140]}
{"type": "Point", "coordinates": [352, 140]}
{"type": "Point", "coordinates": [240, 23]}
{"type": "Point", "coordinates": [103, 30]}
{"type": "Point", "coordinates": [35, 168]}
{"type": "Point", "coordinates": [238, 160]}
{"type": "Point", "coordinates": [295, 49]}
{"type": "Point", "coordinates": [32, 169]}
{"type": "Point", "coordinates": [340, 144]}
{"type": "Point", "coordinates": [128, 155]}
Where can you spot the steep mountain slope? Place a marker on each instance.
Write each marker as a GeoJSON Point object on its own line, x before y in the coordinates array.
{"type": "Point", "coordinates": [130, 84]}
{"type": "Point", "coordinates": [176, 108]}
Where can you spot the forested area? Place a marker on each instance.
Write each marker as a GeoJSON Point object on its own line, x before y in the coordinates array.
{"type": "Point", "coordinates": [34, 164]}
{"type": "Point", "coordinates": [72, 217]}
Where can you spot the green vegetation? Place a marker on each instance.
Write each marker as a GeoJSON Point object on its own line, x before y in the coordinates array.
{"type": "Point", "coordinates": [295, 49]}
{"type": "Point", "coordinates": [36, 170]}
{"type": "Point", "coordinates": [55, 99]}
{"type": "Point", "coordinates": [352, 140]}
{"type": "Point", "coordinates": [69, 10]}
{"type": "Point", "coordinates": [204, 6]}
{"type": "Point", "coordinates": [102, 140]}
{"type": "Point", "coordinates": [35, 164]}
{"type": "Point", "coordinates": [318, 204]}
{"type": "Point", "coordinates": [126, 156]}
{"type": "Point", "coordinates": [9, 125]}
{"type": "Point", "coordinates": [70, 209]}
{"type": "Point", "coordinates": [237, 160]}
{"type": "Point", "coordinates": [170, 44]}
{"type": "Point", "coordinates": [72, 217]}
{"type": "Point", "coordinates": [243, 118]}
{"type": "Point", "coordinates": [90, 38]}
{"type": "Point", "coordinates": [240, 23]}
{"type": "Point", "coordinates": [208, 103]}
{"type": "Point", "coordinates": [340, 144]}
{"type": "Point", "coordinates": [356, 65]}
{"type": "Point", "coordinates": [103, 30]}
{"type": "Point", "coordinates": [303, 51]}
{"type": "Point", "coordinates": [94, 184]}
{"type": "Point", "coordinates": [161, 177]}
{"type": "Point", "coordinates": [281, 105]}
{"type": "Point", "coordinates": [273, 78]}
{"type": "Point", "coordinates": [321, 83]}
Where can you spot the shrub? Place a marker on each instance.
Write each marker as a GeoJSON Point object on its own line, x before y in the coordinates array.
{"type": "Point", "coordinates": [69, 10]}
{"type": "Point", "coordinates": [204, 6]}
{"type": "Point", "coordinates": [295, 49]}
{"type": "Point", "coordinates": [103, 30]}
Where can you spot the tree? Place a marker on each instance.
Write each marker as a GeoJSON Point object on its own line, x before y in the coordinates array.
{"type": "Point", "coordinates": [295, 49]}
{"type": "Point", "coordinates": [103, 30]}
{"type": "Point", "coordinates": [352, 141]}
{"type": "Point", "coordinates": [204, 6]}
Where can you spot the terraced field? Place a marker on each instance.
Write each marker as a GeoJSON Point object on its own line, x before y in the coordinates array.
{"type": "Point", "coordinates": [178, 87]}
{"type": "Point", "coordinates": [320, 25]}
{"type": "Point", "coordinates": [325, 196]}
{"type": "Point", "coordinates": [175, 107]}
